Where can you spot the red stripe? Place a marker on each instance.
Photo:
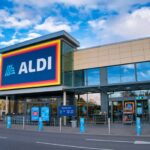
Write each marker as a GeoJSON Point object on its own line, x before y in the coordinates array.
{"type": "Point", "coordinates": [29, 50]}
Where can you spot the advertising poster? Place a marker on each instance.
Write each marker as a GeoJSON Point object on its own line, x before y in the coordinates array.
{"type": "Point", "coordinates": [34, 113]}
{"type": "Point", "coordinates": [45, 113]}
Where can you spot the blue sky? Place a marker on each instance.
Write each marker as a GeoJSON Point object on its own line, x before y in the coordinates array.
{"type": "Point", "coordinates": [91, 22]}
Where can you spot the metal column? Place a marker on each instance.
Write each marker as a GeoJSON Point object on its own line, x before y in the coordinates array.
{"type": "Point", "coordinates": [64, 104]}
{"type": "Point", "coordinates": [7, 105]}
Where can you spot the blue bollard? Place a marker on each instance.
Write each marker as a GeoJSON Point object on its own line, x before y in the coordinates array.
{"type": "Point", "coordinates": [82, 125]}
{"type": "Point", "coordinates": [138, 126]}
{"type": "Point", "coordinates": [40, 124]}
{"type": "Point", "coordinates": [8, 122]}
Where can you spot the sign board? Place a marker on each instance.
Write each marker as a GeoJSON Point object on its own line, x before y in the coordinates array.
{"type": "Point", "coordinates": [45, 113]}
{"type": "Point", "coordinates": [34, 113]}
{"type": "Point", "coordinates": [67, 111]}
{"type": "Point", "coordinates": [129, 107]}
{"type": "Point", "coordinates": [33, 66]}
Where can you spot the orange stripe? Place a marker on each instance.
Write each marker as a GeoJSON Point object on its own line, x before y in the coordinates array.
{"type": "Point", "coordinates": [36, 47]}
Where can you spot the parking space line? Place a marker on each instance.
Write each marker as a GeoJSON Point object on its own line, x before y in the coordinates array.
{"type": "Point", "coordinates": [114, 141]}
{"type": "Point", "coordinates": [71, 146]}
{"type": "Point", "coordinates": [141, 142]}
{"type": "Point", "coordinates": [3, 137]}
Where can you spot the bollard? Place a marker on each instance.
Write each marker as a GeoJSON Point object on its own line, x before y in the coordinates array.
{"type": "Point", "coordinates": [82, 125]}
{"type": "Point", "coordinates": [23, 121]}
{"type": "Point", "coordinates": [40, 124]}
{"type": "Point", "coordinates": [138, 126]}
{"type": "Point", "coordinates": [8, 122]}
{"type": "Point", "coordinates": [60, 124]}
{"type": "Point", "coordinates": [108, 125]}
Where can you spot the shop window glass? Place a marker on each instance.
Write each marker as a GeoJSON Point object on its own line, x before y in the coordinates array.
{"type": "Point", "coordinates": [89, 106]}
{"type": "Point", "coordinates": [127, 73]}
{"type": "Point", "coordinates": [79, 78]}
{"type": "Point", "coordinates": [121, 74]}
{"type": "Point", "coordinates": [113, 74]}
{"type": "Point", "coordinates": [93, 76]}
{"type": "Point", "coordinates": [143, 71]}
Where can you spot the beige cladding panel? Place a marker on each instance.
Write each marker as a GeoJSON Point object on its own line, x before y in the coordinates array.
{"type": "Point", "coordinates": [115, 54]}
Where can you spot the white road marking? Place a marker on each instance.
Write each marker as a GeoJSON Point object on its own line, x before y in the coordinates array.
{"type": "Point", "coordinates": [72, 146]}
{"type": "Point", "coordinates": [114, 141]}
{"type": "Point", "coordinates": [3, 137]}
{"type": "Point", "coordinates": [141, 142]}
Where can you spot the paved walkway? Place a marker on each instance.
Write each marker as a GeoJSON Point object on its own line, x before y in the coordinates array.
{"type": "Point", "coordinates": [116, 129]}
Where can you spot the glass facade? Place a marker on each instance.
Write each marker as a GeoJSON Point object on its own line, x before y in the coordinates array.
{"type": "Point", "coordinates": [67, 64]}
{"type": "Point", "coordinates": [143, 71]}
{"type": "Point", "coordinates": [121, 74]}
{"type": "Point", "coordinates": [113, 74]}
{"type": "Point", "coordinates": [89, 106]}
{"type": "Point", "coordinates": [79, 78]}
{"type": "Point", "coordinates": [88, 77]}
{"type": "Point", "coordinates": [92, 76]}
{"type": "Point", "coordinates": [127, 73]}
{"type": "Point", "coordinates": [130, 93]}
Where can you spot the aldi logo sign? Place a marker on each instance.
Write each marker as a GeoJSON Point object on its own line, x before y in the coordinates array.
{"type": "Point", "coordinates": [33, 66]}
{"type": "Point", "coordinates": [10, 70]}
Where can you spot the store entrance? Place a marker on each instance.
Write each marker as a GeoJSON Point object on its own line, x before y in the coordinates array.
{"type": "Point", "coordinates": [125, 111]}
{"type": "Point", "coordinates": [117, 111]}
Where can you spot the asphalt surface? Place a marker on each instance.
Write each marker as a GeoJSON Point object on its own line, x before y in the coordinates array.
{"type": "Point", "coordinates": [11, 139]}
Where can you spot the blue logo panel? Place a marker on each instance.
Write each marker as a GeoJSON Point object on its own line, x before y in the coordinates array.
{"type": "Point", "coordinates": [67, 111]}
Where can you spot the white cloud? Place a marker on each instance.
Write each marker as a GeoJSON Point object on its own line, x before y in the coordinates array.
{"type": "Point", "coordinates": [47, 3]}
{"type": "Point", "coordinates": [15, 40]}
{"type": "Point", "coordinates": [1, 35]}
{"type": "Point", "coordinates": [118, 5]}
{"type": "Point", "coordinates": [16, 20]}
{"type": "Point", "coordinates": [123, 5]}
{"type": "Point", "coordinates": [53, 24]}
{"type": "Point", "coordinates": [123, 27]}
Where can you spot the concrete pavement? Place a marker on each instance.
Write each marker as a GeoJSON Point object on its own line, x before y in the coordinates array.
{"type": "Point", "coordinates": [11, 139]}
{"type": "Point", "coordinates": [101, 129]}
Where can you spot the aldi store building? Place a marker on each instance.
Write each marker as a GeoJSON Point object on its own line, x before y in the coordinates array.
{"type": "Point", "coordinates": [105, 81]}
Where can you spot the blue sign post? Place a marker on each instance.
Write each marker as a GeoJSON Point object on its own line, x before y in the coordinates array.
{"type": "Point", "coordinates": [40, 124]}
{"type": "Point", "coordinates": [45, 113]}
{"type": "Point", "coordinates": [138, 126]}
{"type": "Point", "coordinates": [8, 122]}
{"type": "Point", "coordinates": [82, 125]}
{"type": "Point", "coordinates": [67, 111]}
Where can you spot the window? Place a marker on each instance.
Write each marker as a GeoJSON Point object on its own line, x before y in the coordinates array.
{"type": "Point", "coordinates": [89, 106]}
{"type": "Point", "coordinates": [79, 78]}
{"type": "Point", "coordinates": [143, 71]}
{"type": "Point", "coordinates": [121, 74]}
{"type": "Point", "coordinates": [93, 76]}
{"type": "Point", "coordinates": [113, 74]}
{"type": "Point", "coordinates": [127, 73]}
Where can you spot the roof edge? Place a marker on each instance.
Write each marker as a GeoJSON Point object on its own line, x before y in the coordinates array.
{"type": "Point", "coordinates": [50, 36]}
{"type": "Point", "coordinates": [113, 43]}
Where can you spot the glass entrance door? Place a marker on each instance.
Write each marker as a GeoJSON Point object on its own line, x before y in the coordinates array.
{"type": "Point", "coordinates": [117, 111]}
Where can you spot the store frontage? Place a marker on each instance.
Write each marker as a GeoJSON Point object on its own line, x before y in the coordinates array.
{"type": "Point", "coordinates": [125, 109]}
{"type": "Point", "coordinates": [48, 72]}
